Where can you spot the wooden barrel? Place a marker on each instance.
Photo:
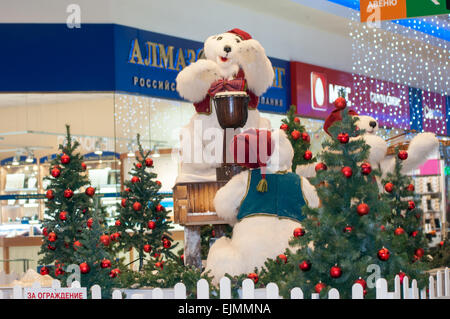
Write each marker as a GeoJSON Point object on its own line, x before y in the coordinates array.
{"type": "Point", "coordinates": [193, 203]}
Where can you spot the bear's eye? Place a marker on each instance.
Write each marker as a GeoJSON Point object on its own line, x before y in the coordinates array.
{"type": "Point", "coordinates": [237, 40]}
{"type": "Point", "coordinates": [219, 38]}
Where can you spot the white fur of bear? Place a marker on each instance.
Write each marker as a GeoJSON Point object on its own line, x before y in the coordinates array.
{"type": "Point", "coordinates": [194, 81]}
{"type": "Point", "coordinates": [419, 149]}
{"type": "Point", "coordinates": [258, 238]}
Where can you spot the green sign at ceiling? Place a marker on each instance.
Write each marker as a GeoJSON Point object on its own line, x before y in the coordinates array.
{"type": "Point", "coordinates": [419, 8]}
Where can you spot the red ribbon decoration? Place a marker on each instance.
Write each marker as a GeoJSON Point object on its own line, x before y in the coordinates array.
{"type": "Point", "coordinates": [226, 85]}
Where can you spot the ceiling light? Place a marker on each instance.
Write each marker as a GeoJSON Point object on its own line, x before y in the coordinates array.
{"type": "Point", "coordinates": [15, 160]}
{"type": "Point", "coordinates": [156, 152]}
{"type": "Point", "coordinates": [30, 157]}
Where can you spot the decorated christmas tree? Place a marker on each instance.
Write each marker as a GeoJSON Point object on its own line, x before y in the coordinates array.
{"type": "Point", "coordinates": [299, 139]}
{"type": "Point", "coordinates": [440, 255]}
{"type": "Point", "coordinates": [143, 222]}
{"type": "Point", "coordinates": [340, 239]}
{"type": "Point", "coordinates": [401, 228]}
{"type": "Point", "coordinates": [68, 239]}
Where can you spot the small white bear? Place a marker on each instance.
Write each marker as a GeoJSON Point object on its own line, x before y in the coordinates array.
{"type": "Point", "coordinates": [233, 61]}
{"type": "Point", "coordinates": [419, 149]}
{"type": "Point", "coordinates": [263, 221]}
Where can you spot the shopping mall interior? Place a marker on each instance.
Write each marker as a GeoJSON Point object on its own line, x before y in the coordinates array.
{"type": "Point", "coordinates": [79, 66]}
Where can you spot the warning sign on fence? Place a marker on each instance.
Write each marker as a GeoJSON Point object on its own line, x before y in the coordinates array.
{"type": "Point", "coordinates": [55, 293]}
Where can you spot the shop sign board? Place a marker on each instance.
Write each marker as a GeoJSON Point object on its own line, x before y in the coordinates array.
{"type": "Point", "coordinates": [55, 293]}
{"type": "Point", "coordinates": [148, 63]}
{"type": "Point", "coordinates": [315, 88]}
{"type": "Point", "coordinates": [378, 10]}
{"type": "Point", "coordinates": [106, 58]}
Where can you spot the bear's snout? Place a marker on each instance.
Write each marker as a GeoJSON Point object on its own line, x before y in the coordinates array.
{"type": "Point", "coordinates": [227, 49]}
{"type": "Point", "coordinates": [372, 124]}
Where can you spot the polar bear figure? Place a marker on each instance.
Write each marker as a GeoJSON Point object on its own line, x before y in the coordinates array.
{"type": "Point", "coordinates": [259, 232]}
{"type": "Point", "coordinates": [234, 61]}
{"type": "Point", "coordinates": [419, 150]}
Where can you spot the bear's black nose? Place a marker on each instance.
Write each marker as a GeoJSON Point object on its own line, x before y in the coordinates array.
{"type": "Point", "coordinates": [372, 123]}
{"type": "Point", "coordinates": [227, 48]}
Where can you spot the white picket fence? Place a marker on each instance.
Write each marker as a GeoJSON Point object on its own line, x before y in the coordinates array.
{"type": "Point", "coordinates": [438, 288]}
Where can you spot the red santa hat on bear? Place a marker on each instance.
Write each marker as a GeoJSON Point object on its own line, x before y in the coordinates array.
{"type": "Point", "coordinates": [252, 149]}
{"type": "Point", "coordinates": [242, 34]}
{"type": "Point", "coordinates": [340, 104]}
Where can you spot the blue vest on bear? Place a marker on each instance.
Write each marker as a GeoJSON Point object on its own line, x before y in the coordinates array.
{"type": "Point", "coordinates": [284, 197]}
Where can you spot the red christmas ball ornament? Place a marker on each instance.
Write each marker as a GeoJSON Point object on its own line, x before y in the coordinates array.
{"type": "Point", "coordinates": [44, 271]}
{"type": "Point", "coordinates": [90, 191]}
{"type": "Point", "coordinates": [147, 248]}
{"type": "Point", "coordinates": [383, 254]}
{"type": "Point", "coordinates": [77, 245]}
{"type": "Point", "coordinates": [159, 208]}
{"type": "Point", "coordinates": [135, 179]}
{"type": "Point", "coordinates": [305, 265]}
{"type": "Point", "coordinates": [284, 127]}
{"type": "Point", "coordinates": [295, 134]}
{"type": "Point", "coordinates": [340, 103]}
{"type": "Point", "coordinates": [84, 268]}
{"type": "Point", "coordinates": [106, 263]}
{"type": "Point", "coordinates": [441, 243]}
{"type": "Point", "coordinates": [402, 155]}
{"type": "Point", "coordinates": [182, 258]}
{"type": "Point", "coordinates": [113, 273]}
{"type": "Point", "coordinates": [282, 257]}
{"type": "Point", "coordinates": [362, 282]}
{"type": "Point", "coordinates": [253, 277]}
{"type": "Point", "coordinates": [148, 162]}
{"type": "Point", "coordinates": [348, 229]}
{"type": "Point", "coordinates": [419, 252]}
{"type": "Point", "coordinates": [401, 275]}
{"type": "Point", "coordinates": [45, 232]}
{"type": "Point", "coordinates": [83, 166]}
{"type": "Point", "coordinates": [335, 271]}
{"type": "Point", "coordinates": [49, 194]}
{"type": "Point", "coordinates": [118, 223]}
{"type": "Point", "coordinates": [65, 159]}
{"type": "Point", "coordinates": [151, 224]}
{"type": "Point", "coordinates": [52, 237]}
{"type": "Point", "coordinates": [63, 215]}
{"type": "Point", "coordinates": [318, 288]}
{"type": "Point", "coordinates": [347, 171]}
{"type": "Point", "coordinates": [213, 233]}
{"type": "Point", "coordinates": [89, 222]}
{"type": "Point", "coordinates": [158, 183]}
{"type": "Point", "coordinates": [418, 215]}
{"type": "Point", "coordinates": [123, 202]}
{"type": "Point", "coordinates": [138, 165]}
{"type": "Point", "coordinates": [410, 187]}
{"type": "Point", "coordinates": [156, 255]}
{"type": "Point", "coordinates": [159, 264]}
{"type": "Point", "coordinates": [308, 155]}
{"type": "Point", "coordinates": [305, 137]}
{"type": "Point", "coordinates": [362, 209]}
{"type": "Point", "coordinates": [296, 120]}
{"type": "Point", "coordinates": [167, 243]}
{"type": "Point", "coordinates": [137, 206]}
{"type": "Point", "coordinates": [105, 239]}
{"type": "Point", "coordinates": [298, 232]}
{"type": "Point", "coordinates": [59, 271]}
{"type": "Point", "coordinates": [389, 187]}
{"type": "Point", "coordinates": [366, 169]}
{"type": "Point", "coordinates": [414, 233]}
{"type": "Point", "coordinates": [343, 138]}
{"type": "Point", "coordinates": [320, 167]}
{"type": "Point", "coordinates": [115, 236]}
{"type": "Point", "coordinates": [128, 189]}
{"type": "Point", "coordinates": [55, 172]}
{"type": "Point", "coordinates": [68, 193]}
{"type": "Point", "coordinates": [50, 247]}
{"type": "Point", "coordinates": [84, 211]}
{"type": "Point", "coordinates": [399, 231]}
{"type": "Point", "coordinates": [411, 205]}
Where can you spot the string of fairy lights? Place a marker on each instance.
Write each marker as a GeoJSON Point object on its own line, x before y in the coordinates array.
{"type": "Point", "coordinates": [390, 58]}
